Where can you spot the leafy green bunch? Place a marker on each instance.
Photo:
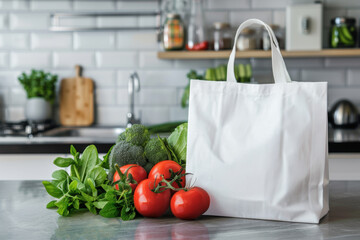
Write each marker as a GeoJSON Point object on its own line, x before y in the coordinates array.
{"type": "Point", "coordinates": [39, 84]}
{"type": "Point", "coordinates": [87, 187]}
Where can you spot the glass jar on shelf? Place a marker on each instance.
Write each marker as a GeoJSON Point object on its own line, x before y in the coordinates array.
{"type": "Point", "coordinates": [221, 37]}
{"type": "Point", "coordinates": [247, 40]}
{"type": "Point", "coordinates": [196, 39]}
{"type": "Point", "coordinates": [265, 38]}
{"type": "Point", "coordinates": [343, 32]}
{"type": "Point", "coordinates": [173, 36]}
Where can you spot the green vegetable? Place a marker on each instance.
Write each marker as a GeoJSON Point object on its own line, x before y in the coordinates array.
{"type": "Point", "coordinates": [185, 96]}
{"type": "Point", "coordinates": [124, 153]}
{"type": "Point", "coordinates": [39, 84]}
{"type": "Point", "coordinates": [137, 135]}
{"type": "Point", "coordinates": [210, 74]}
{"type": "Point", "coordinates": [148, 167]}
{"type": "Point", "coordinates": [156, 151]}
{"type": "Point", "coordinates": [164, 127]}
{"type": "Point", "coordinates": [177, 141]}
{"type": "Point", "coordinates": [87, 187]}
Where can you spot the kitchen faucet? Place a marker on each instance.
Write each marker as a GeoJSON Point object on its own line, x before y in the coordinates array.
{"type": "Point", "coordinates": [133, 86]}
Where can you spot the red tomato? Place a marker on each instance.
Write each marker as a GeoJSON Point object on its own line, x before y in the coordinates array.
{"type": "Point", "coordinates": [163, 169]}
{"type": "Point", "coordinates": [198, 46]}
{"type": "Point", "coordinates": [190, 204]}
{"type": "Point", "coordinates": [148, 203]}
{"type": "Point", "coordinates": [138, 173]}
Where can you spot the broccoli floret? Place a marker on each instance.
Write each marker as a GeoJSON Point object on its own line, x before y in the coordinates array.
{"type": "Point", "coordinates": [121, 137]}
{"type": "Point", "coordinates": [148, 167]}
{"type": "Point", "coordinates": [124, 153]}
{"type": "Point", "coordinates": [156, 151]}
{"type": "Point", "coordinates": [137, 135]}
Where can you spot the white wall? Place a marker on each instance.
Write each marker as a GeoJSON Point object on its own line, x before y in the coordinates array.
{"type": "Point", "coordinates": [109, 57]}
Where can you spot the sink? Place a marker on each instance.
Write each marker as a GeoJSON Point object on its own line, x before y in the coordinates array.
{"type": "Point", "coordinates": [84, 132]}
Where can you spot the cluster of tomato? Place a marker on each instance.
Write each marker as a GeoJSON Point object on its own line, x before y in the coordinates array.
{"type": "Point", "coordinates": [164, 187]}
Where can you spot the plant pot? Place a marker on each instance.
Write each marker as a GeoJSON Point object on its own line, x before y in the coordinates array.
{"type": "Point", "coordinates": [37, 110]}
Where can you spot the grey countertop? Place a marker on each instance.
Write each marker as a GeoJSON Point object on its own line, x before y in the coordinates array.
{"type": "Point", "coordinates": [23, 216]}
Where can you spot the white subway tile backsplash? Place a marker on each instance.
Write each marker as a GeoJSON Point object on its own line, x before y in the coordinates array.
{"type": "Point", "coordinates": [133, 5]}
{"type": "Point", "coordinates": [111, 116]}
{"type": "Point", "coordinates": [194, 64]}
{"type": "Point", "coordinates": [50, 5]}
{"type": "Point", "coordinates": [137, 40]}
{"type": "Point", "coordinates": [304, 62]}
{"type": "Point", "coordinates": [9, 78]}
{"type": "Point", "coordinates": [70, 59]}
{"type": "Point", "coordinates": [335, 94]}
{"type": "Point", "coordinates": [279, 17]}
{"type": "Point", "coordinates": [147, 21]}
{"type": "Point", "coordinates": [4, 99]}
{"type": "Point", "coordinates": [14, 4]}
{"type": "Point", "coordinates": [15, 114]}
{"type": "Point", "coordinates": [333, 77]}
{"type": "Point", "coordinates": [108, 22]}
{"type": "Point", "coordinates": [215, 16]}
{"type": "Point", "coordinates": [30, 59]}
{"type": "Point", "coordinates": [18, 96]}
{"type": "Point", "coordinates": [229, 4]}
{"type": "Point", "coordinates": [4, 59]}
{"type": "Point", "coordinates": [238, 17]}
{"type": "Point", "coordinates": [150, 60]}
{"type": "Point", "coordinates": [122, 97]}
{"type": "Point", "coordinates": [154, 115]}
{"type": "Point", "coordinates": [94, 5]}
{"type": "Point", "coordinates": [94, 40]}
{"type": "Point", "coordinates": [354, 77]}
{"type": "Point", "coordinates": [29, 21]}
{"type": "Point", "coordinates": [51, 41]}
{"type": "Point", "coordinates": [3, 21]}
{"type": "Point", "coordinates": [342, 62]}
{"type": "Point", "coordinates": [86, 22]}
{"type": "Point", "coordinates": [105, 96]}
{"type": "Point", "coordinates": [178, 114]}
{"type": "Point", "coordinates": [159, 96]}
{"type": "Point", "coordinates": [101, 78]}
{"type": "Point", "coordinates": [165, 78]}
{"type": "Point", "coordinates": [14, 41]}
{"type": "Point", "coordinates": [268, 4]}
{"type": "Point", "coordinates": [116, 59]}
{"type": "Point", "coordinates": [341, 4]}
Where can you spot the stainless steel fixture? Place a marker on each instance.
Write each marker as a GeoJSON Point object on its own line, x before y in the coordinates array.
{"type": "Point", "coordinates": [344, 114]}
{"type": "Point", "coordinates": [133, 86]}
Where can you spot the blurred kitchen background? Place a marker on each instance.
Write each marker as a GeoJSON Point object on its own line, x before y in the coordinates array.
{"type": "Point", "coordinates": [109, 57]}
{"type": "Point", "coordinates": [113, 39]}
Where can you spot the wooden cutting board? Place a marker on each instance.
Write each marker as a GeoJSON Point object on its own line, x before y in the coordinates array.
{"type": "Point", "coordinates": [77, 100]}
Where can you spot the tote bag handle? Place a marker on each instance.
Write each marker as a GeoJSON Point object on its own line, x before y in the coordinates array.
{"type": "Point", "coordinates": [280, 73]}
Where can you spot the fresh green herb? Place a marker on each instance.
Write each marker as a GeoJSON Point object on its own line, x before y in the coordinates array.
{"type": "Point", "coordinates": [87, 187]}
{"type": "Point", "coordinates": [39, 84]}
{"type": "Point", "coordinates": [177, 142]}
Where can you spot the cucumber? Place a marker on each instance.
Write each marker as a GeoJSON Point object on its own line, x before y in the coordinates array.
{"type": "Point", "coordinates": [242, 73]}
{"type": "Point", "coordinates": [248, 72]}
{"type": "Point", "coordinates": [164, 127]}
{"type": "Point", "coordinates": [210, 74]}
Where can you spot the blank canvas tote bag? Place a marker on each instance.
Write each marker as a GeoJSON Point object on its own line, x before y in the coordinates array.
{"type": "Point", "coordinates": [260, 150]}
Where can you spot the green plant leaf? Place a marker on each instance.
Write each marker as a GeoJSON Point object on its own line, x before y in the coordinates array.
{"type": "Point", "coordinates": [128, 213]}
{"type": "Point", "coordinates": [99, 175]}
{"type": "Point", "coordinates": [63, 205]}
{"type": "Point", "coordinates": [63, 162]}
{"type": "Point", "coordinates": [87, 197]}
{"type": "Point", "coordinates": [111, 196]}
{"type": "Point", "coordinates": [80, 185]}
{"type": "Point", "coordinates": [60, 174]}
{"type": "Point", "coordinates": [87, 161]}
{"type": "Point", "coordinates": [107, 188]}
{"type": "Point", "coordinates": [100, 204]}
{"type": "Point", "coordinates": [73, 187]}
{"type": "Point", "coordinates": [52, 189]}
{"type": "Point", "coordinates": [105, 162]}
{"type": "Point", "coordinates": [91, 184]}
{"type": "Point", "coordinates": [110, 210]}
{"type": "Point", "coordinates": [91, 207]}
{"type": "Point", "coordinates": [73, 150]}
{"type": "Point", "coordinates": [51, 204]}
{"type": "Point", "coordinates": [76, 204]}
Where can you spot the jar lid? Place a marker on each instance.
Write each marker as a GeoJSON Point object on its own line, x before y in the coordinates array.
{"type": "Point", "coordinates": [173, 15]}
{"type": "Point", "coordinates": [342, 20]}
{"type": "Point", "coordinates": [221, 25]}
{"type": "Point", "coordinates": [248, 31]}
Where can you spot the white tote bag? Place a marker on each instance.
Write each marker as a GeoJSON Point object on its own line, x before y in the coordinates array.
{"type": "Point", "coordinates": [260, 150]}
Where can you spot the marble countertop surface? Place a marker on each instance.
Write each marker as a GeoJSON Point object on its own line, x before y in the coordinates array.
{"type": "Point", "coordinates": [23, 216]}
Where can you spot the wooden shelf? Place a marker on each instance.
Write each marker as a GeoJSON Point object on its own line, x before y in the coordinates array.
{"type": "Point", "coordinates": [258, 54]}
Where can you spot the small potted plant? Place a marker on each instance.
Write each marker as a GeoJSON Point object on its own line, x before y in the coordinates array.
{"type": "Point", "coordinates": [40, 90]}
